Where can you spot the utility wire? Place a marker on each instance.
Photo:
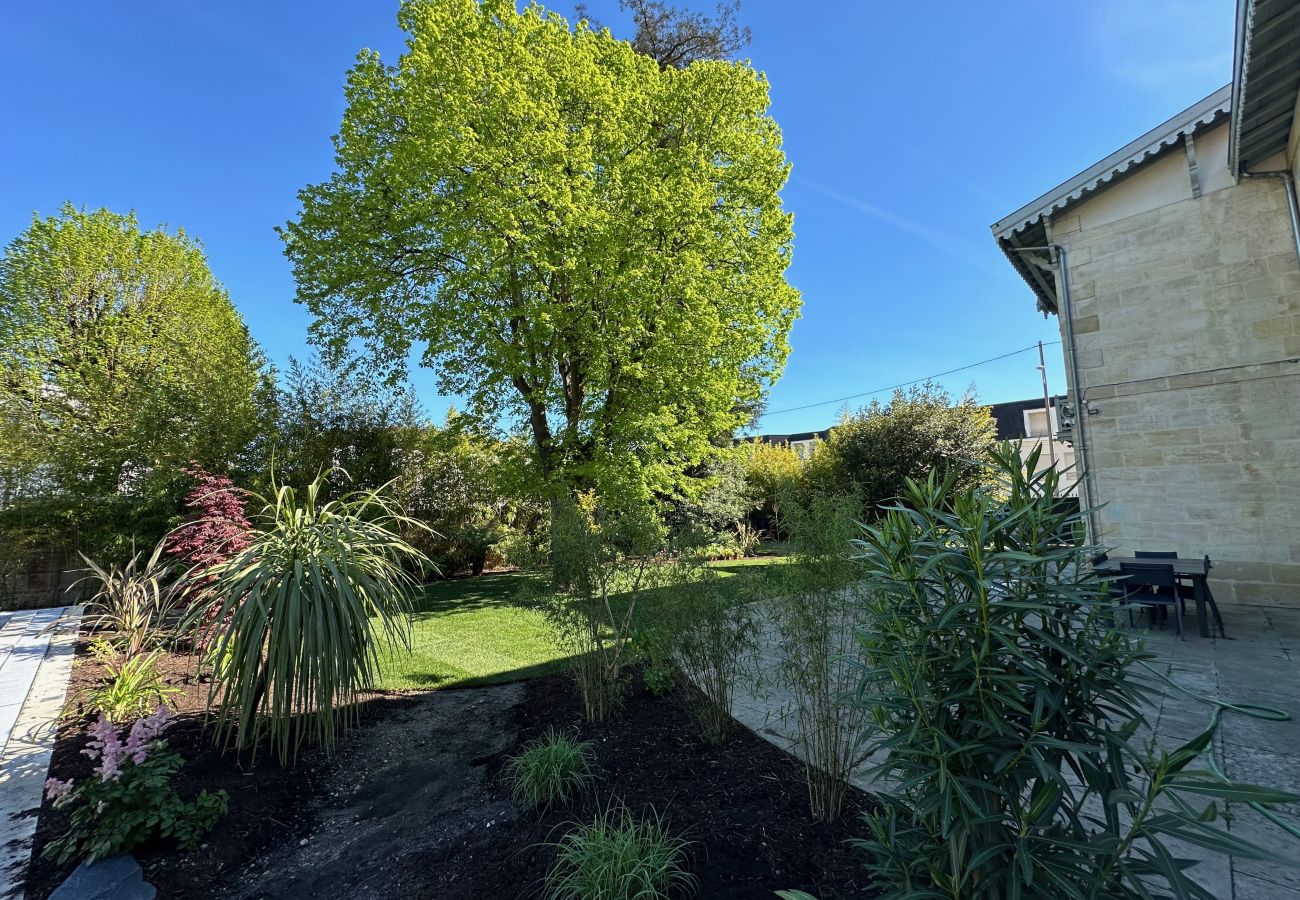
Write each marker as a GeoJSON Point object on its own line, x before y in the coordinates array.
{"type": "Point", "coordinates": [894, 387]}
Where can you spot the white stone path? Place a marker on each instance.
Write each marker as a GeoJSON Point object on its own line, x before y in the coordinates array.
{"type": "Point", "coordinates": [36, 649]}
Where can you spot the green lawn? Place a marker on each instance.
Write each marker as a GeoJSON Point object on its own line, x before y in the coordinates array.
{"type": "Point", "coordinates": [479, 631]}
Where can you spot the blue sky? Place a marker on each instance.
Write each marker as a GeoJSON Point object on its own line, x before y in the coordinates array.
{"type": "Point", "coordinates": [909, 133]}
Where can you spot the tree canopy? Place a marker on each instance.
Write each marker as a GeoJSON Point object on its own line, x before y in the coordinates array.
{"type": "Point", "coordinates": [585, 242]}
{"type": "Point", "coordinates": [122, 360]}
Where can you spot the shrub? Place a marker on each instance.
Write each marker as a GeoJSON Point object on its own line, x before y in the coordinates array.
{"type": "Point", "coordinates": [131, 600]}
{"type": "Point", "coordinates": [872, 452]}
{"type": "Point", "coordinates": [619, 857]}
{"type": "Point", "coordinates": [554, 769]}
{"type": "Point", "coordinates": [601, 569]}
{"type": "Point", "coordinates": [816, 607]}
{"type": "Point", "coordinates": [134, 688]}
{"type": "Point", "coordinates": [306, 610]}
{"type": "Point", "coordinates": [215, 529]}
{"type": "Point", "coordinates": [129, 800]}
{"type": "Point", "coordinates": [1002, 698]}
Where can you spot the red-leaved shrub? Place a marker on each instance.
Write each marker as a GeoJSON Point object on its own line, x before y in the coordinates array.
{"type": "Point", "coordinates": [215, 528]}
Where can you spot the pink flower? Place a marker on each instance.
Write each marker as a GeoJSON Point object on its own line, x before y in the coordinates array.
{"type": "Point", "coordinates": [56, 789]}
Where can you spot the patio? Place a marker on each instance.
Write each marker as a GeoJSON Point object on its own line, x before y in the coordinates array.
{"type": "Point", "coordinates": [1258, 664]}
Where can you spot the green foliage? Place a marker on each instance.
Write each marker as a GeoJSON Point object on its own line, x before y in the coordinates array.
{"type": "Point", "coordinates": [134, 688]}
{"type": "Point", "coordinates": [619, 857]}
{"type": "Point", "coordinates": [469, 488]}
{"type": "Point", "coordinates": [872, 452]}
{"type": "Point", "coordinates": [555, 769]}
{"type": "Point", "coordinates": [1003, 700]}
{"type": "Point", "coordinates": [336, 417]}
{"type": "Point", "coordinates": [132, 600]}
{"type": "Point", "coordinates": [773, 473]}
{"type": "Point", "coordinates": [704, 627]}
{"type": "Point", "coordinates": [603, 564]}
{"type": "Point", "coordinates": [587, 243]}
{"type": "Point", "coordinates": [122, 360]}
{"type": "Point", "coordinates": [306, 609]}
{"type": "Point", "coordinates": [816, 606]}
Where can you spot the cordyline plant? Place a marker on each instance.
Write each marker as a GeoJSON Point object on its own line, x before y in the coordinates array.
{"type": "Point", "coordinates": [307, 608]}
{"type": "Point", "coordinates": [1005, 704]}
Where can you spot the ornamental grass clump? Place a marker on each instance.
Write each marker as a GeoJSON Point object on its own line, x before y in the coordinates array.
{"type": "Point", "coordinates": [553, 770]}
{"type": "Point", "coordinates": [620, 857]}
{"type": "Point", "coordinates": [128, 800]}
{"type": "Point", "coordinates": [307, 609]}
{"type": "Point", "coordinates": [1004, 705]}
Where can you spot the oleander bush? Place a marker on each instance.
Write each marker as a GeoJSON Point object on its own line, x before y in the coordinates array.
{"type": "Point", "coordinates": [1005, 705]}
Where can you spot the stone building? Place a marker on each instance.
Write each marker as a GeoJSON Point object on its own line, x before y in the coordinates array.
{"type": "Point", "coordinates": [1173, 266]}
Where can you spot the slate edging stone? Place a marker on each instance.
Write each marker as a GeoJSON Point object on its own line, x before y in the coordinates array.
{"type": "Point", "coordinates": [115, 878]}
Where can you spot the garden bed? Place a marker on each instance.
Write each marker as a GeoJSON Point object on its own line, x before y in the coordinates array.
{"type": "Point", "coordinates": [413, 805]}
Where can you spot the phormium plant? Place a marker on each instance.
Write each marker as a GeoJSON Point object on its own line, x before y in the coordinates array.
{"type": "Point", "coordinates": [132, 600]}
{"type": "Point", "coordinates": [1003, 700]}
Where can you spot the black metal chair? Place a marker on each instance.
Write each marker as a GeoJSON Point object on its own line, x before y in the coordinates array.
{"type": "Point", "coordinates": [1187, 591]}
{"type": "Point", "coordinates": [1151, 584]}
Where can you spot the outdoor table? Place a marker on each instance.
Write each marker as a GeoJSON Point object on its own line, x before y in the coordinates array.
{"type": "Point", "coordinates": [1193, 570]}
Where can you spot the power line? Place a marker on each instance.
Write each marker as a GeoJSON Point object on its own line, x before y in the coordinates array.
{"type": "Point", "coordinates": [894, 387]}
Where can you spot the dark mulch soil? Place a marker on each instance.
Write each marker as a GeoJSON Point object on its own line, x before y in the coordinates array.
{"type": "Point", "coordinates": [743, 805]}
{"type": "Point", "coordinates": [268, 803]}
{"type": "Point", "coordinates": [413, 806]}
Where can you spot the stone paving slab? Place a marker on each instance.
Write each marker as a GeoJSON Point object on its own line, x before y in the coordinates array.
{"type": "Point", "coordinates": [25, 760]}
{"type": "Point", "coordinates": [1259, 663]}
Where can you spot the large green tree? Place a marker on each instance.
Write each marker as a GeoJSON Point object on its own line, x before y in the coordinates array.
{"type": "Point", "coordinates": [586, 242]}
{"type": "Point", "coordinates": [122, 359]}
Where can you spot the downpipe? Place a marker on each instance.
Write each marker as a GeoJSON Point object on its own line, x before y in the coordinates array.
{"type": "Point", "coordinates": [1080, 405]}
{"type": "Point", "coordinates": [1293, 207]}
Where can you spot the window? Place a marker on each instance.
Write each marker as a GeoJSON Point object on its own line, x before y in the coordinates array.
{"type": "Point", "coordinates": [1037, 423]}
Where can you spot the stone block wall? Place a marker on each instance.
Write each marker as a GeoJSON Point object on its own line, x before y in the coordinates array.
{"type": "Point", "coordinates": [1187, 320]}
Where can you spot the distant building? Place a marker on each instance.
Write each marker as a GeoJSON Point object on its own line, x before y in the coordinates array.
{"type": "Point", "coordinates": [1027, 424]}
{"type": "Point", "coordinates": [802, 443]}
